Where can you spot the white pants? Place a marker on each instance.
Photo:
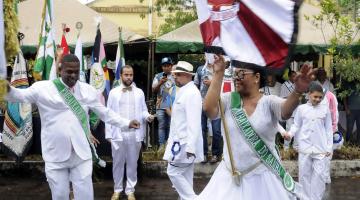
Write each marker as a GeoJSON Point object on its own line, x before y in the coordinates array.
{"type": "Point", "coordinates": [76, 170]}
{"type": "Point", "coordinates": [126, 151]}
{"type": "Point", "coordinates": [312, 176]}
{"type": "Point", "coordinates": [182, 179]}
{"type": "Point", "coordinates": [328, 168]}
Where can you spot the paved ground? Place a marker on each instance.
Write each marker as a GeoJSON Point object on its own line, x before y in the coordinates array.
{"type": "Point", "coordinates": [26, 187]}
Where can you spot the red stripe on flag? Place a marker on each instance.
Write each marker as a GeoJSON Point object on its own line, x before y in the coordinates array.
{"type": "Point", "coordinates": [273, 49]}
{"type": "Point", "coordinates": [210, 29]}
{"type": "Point", "coordinates": [206, 29]}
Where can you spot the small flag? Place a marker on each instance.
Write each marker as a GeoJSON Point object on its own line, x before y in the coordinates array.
{"type": "Point", "coordinates": [44, 68]}
{"type": "Point", "coordinates": [120, 60]}
{"type": "Point", "coordinates": [64, 45]}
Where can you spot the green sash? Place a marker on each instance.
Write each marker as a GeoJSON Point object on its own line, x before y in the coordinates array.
{"type": "Point", "coordinates": [257, 144]}
{"type": "Point", "coordinates": [80, 113]}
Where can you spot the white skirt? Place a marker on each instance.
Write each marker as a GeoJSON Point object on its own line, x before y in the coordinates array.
{"type": "Point", "coordinates": [253, 187]}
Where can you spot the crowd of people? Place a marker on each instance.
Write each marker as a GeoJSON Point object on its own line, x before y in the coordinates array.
{"type": "Point", "coordinates": [245, 108]}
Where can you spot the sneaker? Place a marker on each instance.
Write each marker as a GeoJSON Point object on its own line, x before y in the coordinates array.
{"type": "Point", "coordinates": [205, 160]}
{"type": "Point", "coordinates": [214, 159]}
{"type": "Point", "coordinates": [131, 196]}
{"type": "Point", "coordinates": [115, 196]}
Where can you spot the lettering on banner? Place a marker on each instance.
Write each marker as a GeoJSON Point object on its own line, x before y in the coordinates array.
{"type": "Point", "coordinates": [276, 166]}
{"type": "Point", "coordinates": [263, 151]}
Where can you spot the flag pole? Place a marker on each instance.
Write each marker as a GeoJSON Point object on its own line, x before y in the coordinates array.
{"type": "Point", "coordinates": [235, 173]}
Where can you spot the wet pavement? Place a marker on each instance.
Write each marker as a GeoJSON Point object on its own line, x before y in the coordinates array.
{"type": "Point", "coordinates": [24, 188]}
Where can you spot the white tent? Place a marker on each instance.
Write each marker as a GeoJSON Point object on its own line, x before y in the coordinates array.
{"type": "Point", "coordinates": [68, 12]}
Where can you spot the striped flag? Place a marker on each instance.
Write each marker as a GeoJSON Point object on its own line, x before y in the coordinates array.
{"type": "Point", "coordinates": [79, 54]}
{"type": "Point", "coordinates": [120, 61]}
{"type": "Point", "coordinates": [18, 132]}
{"type": "Point", "coordinates": [44, 68]}
{"type": "Point", "coordinates": [259, 32]}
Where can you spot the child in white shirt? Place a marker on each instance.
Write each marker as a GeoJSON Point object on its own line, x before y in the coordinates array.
{"type": "Point", "coordinates": [313, 129]}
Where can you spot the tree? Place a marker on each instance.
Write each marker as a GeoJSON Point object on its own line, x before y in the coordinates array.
{"type": "Point", "coordinates": [176, 20]}
{"type": "Point", "coordinates": [181, 13]}
{"type": "Point", "coordinates": [345, 30]}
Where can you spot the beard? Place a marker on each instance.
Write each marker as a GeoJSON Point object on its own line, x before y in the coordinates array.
{"type": "Point", "coordinates": [127, 83]}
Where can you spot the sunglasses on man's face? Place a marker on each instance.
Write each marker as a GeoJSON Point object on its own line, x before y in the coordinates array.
{"type": "Point", "coordinates": [240, 74]}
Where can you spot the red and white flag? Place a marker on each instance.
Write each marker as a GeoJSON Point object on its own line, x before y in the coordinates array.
{"type": "Point", "coordinates": [259, 32]}
{"type": "Point", "coordinates": [64, 45]}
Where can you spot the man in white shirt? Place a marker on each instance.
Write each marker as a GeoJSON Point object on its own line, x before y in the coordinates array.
{"type": "Point", "coordinates": [185, 144]}
{"type": "Point", "coordinates": [128, 101]}
{"type": "Point", "coordinates": [64, 144]}
{"type": "Point", "coordinates": [286, 89]}
{"type": "Point", "coordinates": [288, 86]}
{"type": "Point", "coordinates": [323, 81]}
{"type": "Point", "coordinates": [272, 87]}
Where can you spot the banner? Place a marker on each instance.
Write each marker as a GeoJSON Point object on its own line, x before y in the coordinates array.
{"type": "Point", "coordinates": [18, 131]}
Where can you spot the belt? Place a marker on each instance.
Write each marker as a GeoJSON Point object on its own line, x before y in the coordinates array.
{"type": "Point", "coordinates": [246, 171]}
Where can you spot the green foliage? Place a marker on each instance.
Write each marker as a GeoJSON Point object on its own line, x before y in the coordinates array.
{"type": "Point", "coordinates": [181, 13]}
{"type": "Point", "coordinates": [172, 5]}
{"type": "Point", "coordinates": [345, 27]}
{"type": "Point", "coordinates": [176, 20]}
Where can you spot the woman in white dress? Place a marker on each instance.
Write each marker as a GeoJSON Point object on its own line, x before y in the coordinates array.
{"type": "Point", "coordinates": [257, 180]}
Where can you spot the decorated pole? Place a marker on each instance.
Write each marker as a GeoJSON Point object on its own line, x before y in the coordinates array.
{"type": "Point", "coordinates": [3, 73]}
{"type": "Point", "coordinates": [79, 52]}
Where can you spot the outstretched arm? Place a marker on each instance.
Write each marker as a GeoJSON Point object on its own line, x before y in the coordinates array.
{"type": "Point", "coordinates": [212, 97]}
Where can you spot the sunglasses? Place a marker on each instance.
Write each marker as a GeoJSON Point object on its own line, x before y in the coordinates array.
{"type": "Point", "coordinates": [240, 75]}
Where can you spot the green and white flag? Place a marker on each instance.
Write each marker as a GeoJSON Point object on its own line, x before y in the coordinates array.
{"type": "Point", "coordinates": [45, 68]}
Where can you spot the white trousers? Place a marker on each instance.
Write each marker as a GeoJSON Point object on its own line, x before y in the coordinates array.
{"type": "Point", "coordinates": [125, 152]}
{"type": "Point", "coordinates": [312, 176]}
{"type": "Point", "coordinates": [328, 168]}
{"type": "Point", "coordinates": [182, 179]}
{"type": "Point", "coordinates": [76, 170]}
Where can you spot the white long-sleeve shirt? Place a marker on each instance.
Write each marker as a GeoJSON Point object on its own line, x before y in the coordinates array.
{"type": "Point", "coordinates": [312, 125]}
{"type": "Point", "coordinates": [61, 130]}
{"type": "Point", "coordinates": [130, 105]}
{"type": "Point", "coordinates": [185, 126]}
{"type": "Point", "coordinates": [286, 89]}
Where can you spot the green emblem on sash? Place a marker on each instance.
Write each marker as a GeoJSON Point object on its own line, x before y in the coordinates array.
{"type": "Point", "coordinates": [257, 144]}
{"type": "Point", "coordinates": [80, 113]}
